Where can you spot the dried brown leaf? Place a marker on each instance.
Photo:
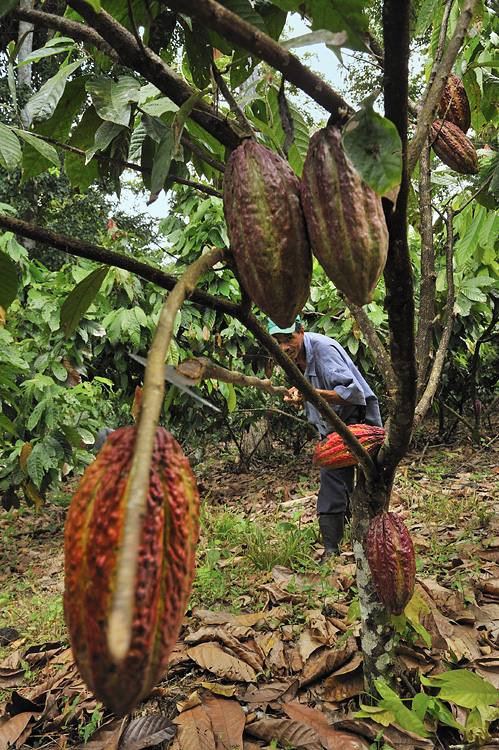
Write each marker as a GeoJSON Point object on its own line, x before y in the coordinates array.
{"type": "Point", "coordinates": [194, 730]}
{"type": "Point", "coordinates": [326, 660]}
{"type": "Point", "coordinates": [346, 682]}
{"type": "Point", "coordinates": [106, 737]}
{"type": "Point", "coordinates": [146, 731]}
{"type": "Point", "coordinates": [227, 721]}
{"type": "Point", "coordinates": [286, 732]}
{"type": "Point", "coordinates": [213, 658]}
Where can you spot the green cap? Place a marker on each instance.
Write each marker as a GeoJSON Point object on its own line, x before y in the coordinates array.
{"type": "Point", "coordinates": [274, 328]}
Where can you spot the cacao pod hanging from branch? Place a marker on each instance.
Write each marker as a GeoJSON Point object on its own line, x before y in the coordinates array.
{"type": "Point", "coordinates": [453, 147]}
{"type": "Point", "coordinates": [344, 216]}
{"type": "Point", "coordinates": [454, 105]}
{"type": "Point", "coordinates": [390, 553]}
{"type": "Point", "coordinates": [267, 232]}
{"type": "Point", "coordinates": [165, 569]}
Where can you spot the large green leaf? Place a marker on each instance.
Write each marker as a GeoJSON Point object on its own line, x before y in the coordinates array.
{"type": "Point", "coordinates": [112, 99]}
{"type": "Point", "coordinates": [42, 105]}
{"type": "Point", "coordinates": [463, 687]}
{"type": "Point", "coordinates": [403, 716]}
{"type": "Point", "coordinates": [53, 47]}
{"type": "Point", "coordinates": [298, 150]}
{"type": "Point", "coordinates": [79, 300]}
{"type": "Point", "coordinates": [244, 9]}
{"type": "Point", "coordinates": [373, 144]}
{"type": "Point", "coordinates": [104, 134]}
{"type": "Point", "coordinates": [79, 174]}
{"type": "Point", "coordinates": [10, 148]}
{"type": "Point", "coordinates": [59, 125]}
{"type": "Point", "coordinates": [200, 54]}
{"type": "Point", "coordinates": [8, 280]}
{"type": "Point", "coordinates": [45, 149]}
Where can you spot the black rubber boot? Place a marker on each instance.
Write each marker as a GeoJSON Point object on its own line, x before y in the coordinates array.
{"type": "Point", "coordinates": [332, 527]}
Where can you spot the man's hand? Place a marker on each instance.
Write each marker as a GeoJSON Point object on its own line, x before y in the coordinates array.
{"type": "Point", "coordinates": [294, 397]}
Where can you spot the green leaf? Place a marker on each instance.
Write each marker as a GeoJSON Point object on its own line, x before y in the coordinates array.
{"type": "Point", "coordinates": [231, 398]}
{"type": "Point", "coordinates": [45, 149]}
{"type": "Point", "coordinates": [8, 280]}
{"type": "Point", "coordinates": [10, 148]}
{"type": "Point", "coordinates": [47, 51]}
{"type": "Point", "coordinates": [6, 425]}
{"type": "Point", "coordinates": [489, 232]}
{"type": "Point", "coordinates": [244, 9]}
{"type": "Point", "coordinates": [6, 6]}
{"type": "Point", "coordinates": [299, 148]}
{"type": "Point", "coordinates": [42, 105]}
{"type": "Point", "coordinates": [426, 16]}
{"type": "Point", "coordinates": [403, 716]}
{"type": "Point", "coordinates": [316, 37]}
{"type": "Point", "coordinates": [463, 687]}
{"type": "Point", "coordinates": [60, 124]}
{"type": "Point", "coordinates": [373, 145]}
{"type": "Point", "coordinates": [112, 99]}
{"type": "Point", "coordinates": [80, 299]}
{"type": "Point", "coordinates": [35, 463]}
{"type": "Point", "coordinates": [200, 54]}
{"type": "Point", "coordinates": [378, 714]}
{"type": "Point", "coordinates": [336, 16]}
{"type": "Point", "coordinates": [81, 175]}
{"type": "Point", "coordinates": [103, 137]}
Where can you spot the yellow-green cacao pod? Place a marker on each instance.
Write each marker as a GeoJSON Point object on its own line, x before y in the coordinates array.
{"type": "Point", "coordinates": [266, 228]}
{"type": "Point", "coordinates": [165, 566]}
{"type": "Point", "coordinates": [390, 553]}
{"type": "Point", "coordinates": [344, 217]}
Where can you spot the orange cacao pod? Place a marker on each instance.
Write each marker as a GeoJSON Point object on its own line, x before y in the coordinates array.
{"type": "Point", "coordinates": [454, 105]}
{"type": "Point", "coordinates": [166, 558]}
{"type": "Point", "coordinates": [453, 147]}
{"type": "Point", "coordinates": [390, 553]}
{"type": "Point", "coordinates": [344, 217]}
{"type": "Point", "coordinates": [332, 453]}
{"type": "Point", "coordinates": [266, 228]}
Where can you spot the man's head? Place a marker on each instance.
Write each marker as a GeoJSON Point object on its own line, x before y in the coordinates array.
{"type": "Point", "coordinates": [289, 339]}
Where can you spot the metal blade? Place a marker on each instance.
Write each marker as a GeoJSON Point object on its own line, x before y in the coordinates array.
{"type": "Point", "coordinates": [172, 376]}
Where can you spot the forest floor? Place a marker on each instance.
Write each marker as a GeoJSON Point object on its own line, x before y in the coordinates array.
{"type": "Point", "coordinates": [269, 653]}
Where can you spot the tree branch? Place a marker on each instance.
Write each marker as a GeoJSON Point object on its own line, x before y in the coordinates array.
{"type": "Point", "coordinates": [202, 368]}
{"type": "Point", "coordinates": [76, 30]}
{"type": "Point", "coordinates": [217, 18]}
{"type": "Point", "coordinates": [429, 107]}
{"type": "Point", "coordinates": [428, 274]}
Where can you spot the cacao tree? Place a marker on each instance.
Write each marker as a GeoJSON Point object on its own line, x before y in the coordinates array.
{"type": "Point", "coordinates": [169, 90]}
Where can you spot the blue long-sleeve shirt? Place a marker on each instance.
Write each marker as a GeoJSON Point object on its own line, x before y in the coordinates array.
{"type": "Point", "coordinates": [330, 368]}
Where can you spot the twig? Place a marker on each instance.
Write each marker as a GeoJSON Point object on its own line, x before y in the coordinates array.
{"type": "Point", "coordinates": [120, 618]}
{"type": "Point", "coordinates": [234, 106]}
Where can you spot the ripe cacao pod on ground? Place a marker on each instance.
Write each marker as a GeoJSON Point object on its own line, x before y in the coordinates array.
{"type": "Point", "coordinates": [166, 558]}
{"type": "Point", "coordinates": [390, 553]}
{"type": "Point", "coordinates": [332, 453]}
{"type": "Point", "coordinates": [453, 147]}
{"type": "Point", "coordinates": [345, 219]}
{"type": "Point", "coordinates": [266, 228]}
{"type": "Point", "coordinates": [454, 105]}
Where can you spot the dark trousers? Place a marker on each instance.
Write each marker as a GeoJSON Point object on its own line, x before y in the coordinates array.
{"type": "Point", "coordinates": [336, 487]}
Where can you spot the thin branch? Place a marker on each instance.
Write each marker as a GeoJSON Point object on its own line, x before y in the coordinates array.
{"type": "Point", "coordinates": [129, 165]}
{"type": "Point", "coordinates": [234, 106]}
{"type": "Point", "coordinates": [429, 108]}
{"type": "Point", "coordinates": [121, 614]}
{"type": "Point", "coordinates": [438, 362]}
{"type": "Point", "coordinates": [202, 368]}
{"type": "Point", "coordinates": [216, 17]}
{"type": "Point", "coordinates": [477, 192]}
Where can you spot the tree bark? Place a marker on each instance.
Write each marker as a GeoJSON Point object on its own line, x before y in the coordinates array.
{"type": "Point", "coordinates": [428, 275]}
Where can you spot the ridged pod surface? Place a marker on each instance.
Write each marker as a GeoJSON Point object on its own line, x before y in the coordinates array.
{"type": "Point", "coordinates": [266, 228]}
{"type": "Point", "coordinates": [332, 453]}
{"type": "Point", "coordinates": [454, 105]}
{"type": "Point", "coordinates": [345, 219]}
{"type": "Point", "coordinates": [166, 559]}
{"type": "Point", "coordinates": [390, 553]}
{"type": "Point", "coordinates": [453, 147]}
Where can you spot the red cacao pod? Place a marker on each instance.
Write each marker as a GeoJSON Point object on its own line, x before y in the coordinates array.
{"type": "Point", "coordinates": [166, 558]}
{"type": "Point", "coordinates": [390, 553]}
{"type": "Point", "coordinates": [345, 219]}
{"type": "Point", "coordinates": [453, 147]}
{"type": "Point", "coordinates": [332, 453]}
{"type": "Point", "coordinates": [454, 105]}
{"type": "Point", "coordinates": [266, 228]}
